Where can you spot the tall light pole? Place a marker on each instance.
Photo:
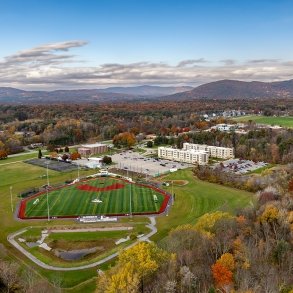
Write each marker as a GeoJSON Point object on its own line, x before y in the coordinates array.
{"type": "Point", "coordinates": [172, 194]}
{"type": "Point", "coordinates": [48, 204]}
{"type": "Point", "coordinates": [77, 170]}
{"type": "Point", "coordinates": [11, 198]}
{"type": "Point", "coordinates": [47, 163]}
{"type": "Point", "coordinates": [130, 204]}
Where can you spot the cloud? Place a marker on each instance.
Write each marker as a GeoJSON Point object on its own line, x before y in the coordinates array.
{"type": "Point", "coordinates": [228, 61]}
{"type": "Point", "coordinates": [45, 54]}
{"type": "Point", "coordinates": [52, 66]}
{"type": "Point", "coordinates": [263, 60]}
{"type": "Point", "coordinates": [187, 62]}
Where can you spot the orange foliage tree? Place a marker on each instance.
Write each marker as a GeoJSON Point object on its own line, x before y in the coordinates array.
{"type": "Point", "coordinates": [75, 156]}
{"type": "Point", "coordinates": [125, 139]}
{"type": "Point", "coordinates": [3, 154]}
{"type": "Point", "coordinates": [290, 185]}
{"type": "Point", "coordinates": [222, 275]}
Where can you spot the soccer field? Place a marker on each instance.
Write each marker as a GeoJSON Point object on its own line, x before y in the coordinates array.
{"type": "Point", "coordinates": [99, 196]}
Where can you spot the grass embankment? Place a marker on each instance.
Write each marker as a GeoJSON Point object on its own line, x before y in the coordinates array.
{"type": "Point", "coordinates": [280, 121]}
{"type": "Point", "coordinates": [197, 198]}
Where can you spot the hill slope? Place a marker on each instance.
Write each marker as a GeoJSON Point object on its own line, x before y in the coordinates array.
{"type": "Point", "coordinates": [234, 89]}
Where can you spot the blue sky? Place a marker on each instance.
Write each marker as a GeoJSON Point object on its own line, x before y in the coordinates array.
{"type": "Point", "coordinates": [145, 39]}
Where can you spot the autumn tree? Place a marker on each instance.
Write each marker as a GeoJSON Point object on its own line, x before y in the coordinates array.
{"type": "Point", "coordinates": [107, 160]}
{"type": "Point", "coordinates": [222, 275]}
{"type": "Point", "coordinates": [290, 185]}
{"type": "Point", "coordinates": [134, 265]}
{"type": "Point", "coordinates": [74, 156]}
{"type": "Point", "coordinates": [149, 144]}
{"type": "Point", "coordinates": [65, 157]}
{"type": "Point", "coordinates": [3, 154]}
{"type": "Point", "coordinates": [125, 139]}
{"type": "Point", "coordinates": [40, 154]}
{"type": "Point", "coordinates": [206, 223]}
{"type": "Point", "coordinates": [9, 275]}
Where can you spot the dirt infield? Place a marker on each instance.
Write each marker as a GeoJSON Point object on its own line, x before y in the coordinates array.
{"type": "Point", "coordinates": [86, 187]}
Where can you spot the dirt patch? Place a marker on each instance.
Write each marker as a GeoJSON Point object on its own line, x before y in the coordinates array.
{"type": "Point", "coordinates": [178, 182]}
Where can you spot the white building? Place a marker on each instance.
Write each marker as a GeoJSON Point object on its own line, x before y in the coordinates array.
{"type": "Point", "coordinates": [224, 127]}
{"type": "Point", "coordinates": [213, 151]}
{"type": "Point", "coordinates": [183, 155]}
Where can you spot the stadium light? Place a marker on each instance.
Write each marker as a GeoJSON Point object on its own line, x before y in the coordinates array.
{"type": "Point", "coordinates": [47, 163]}
{"type": "Point", "coordinates": [48, 204]}
{"type": "Point", "coordinates": [130, 207]}
{"type": "Point", "coordinates": [78, 170]}
{"type": "Point", "coordinates": [11, 198]}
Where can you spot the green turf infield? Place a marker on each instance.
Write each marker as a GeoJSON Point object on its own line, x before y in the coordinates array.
{"type": "Point", "coordinates": [79, 199]}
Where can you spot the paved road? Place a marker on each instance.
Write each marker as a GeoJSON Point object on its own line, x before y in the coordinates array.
{"type": "Point", "coordinates": [11, 239]}
{"type": "Point", "coordinates": [22, 154]}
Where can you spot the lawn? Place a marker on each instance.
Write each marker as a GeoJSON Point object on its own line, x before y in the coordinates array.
{"type": "Point", "coordinates": [280, 121]}
{"type": "Point", "coordinates": [20, 157]}
{"type": "Point", "coordinates": [197, 198]}
{"type": "Point", "coordinates": [113, 196]}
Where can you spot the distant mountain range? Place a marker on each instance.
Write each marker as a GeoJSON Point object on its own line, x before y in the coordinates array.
{"type": "Point", "coordinates": [223, 89]}
{"type": "Point", "coordinates": [12, 95]}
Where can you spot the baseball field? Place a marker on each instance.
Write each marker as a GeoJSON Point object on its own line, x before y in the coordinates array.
{"type": "Point", "coordinates": [99, 196]}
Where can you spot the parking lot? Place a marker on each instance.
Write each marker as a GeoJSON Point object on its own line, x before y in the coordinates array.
{"type": "Point", "coordinates": [241, 166]}
{"type": "Point", "coordinates": [135, 162]}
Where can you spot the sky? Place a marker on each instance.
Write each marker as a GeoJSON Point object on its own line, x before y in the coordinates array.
{"type": "Point", "coordinates": [63, 44]}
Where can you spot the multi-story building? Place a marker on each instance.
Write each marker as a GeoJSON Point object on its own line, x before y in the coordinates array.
{"type": "Point", "coordinates": [213, 151]}
{"type": "Point", "coordinates": [92, 149]}
{"type": "Point", "coordinates": [183, 155]}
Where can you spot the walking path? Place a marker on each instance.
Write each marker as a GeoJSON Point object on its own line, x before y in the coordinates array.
{"type": "Point", "coordinates": [11, 163]}
{"type": "Point", "coordinates": [90, 229]}
{"type": "Point", "coordinates": [11, 240]}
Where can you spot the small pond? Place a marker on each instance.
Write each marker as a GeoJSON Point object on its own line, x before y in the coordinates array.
{"type": "Point", "coordinates": [74, 254]}
{"type": "Point", "coordinates": [32, 244]}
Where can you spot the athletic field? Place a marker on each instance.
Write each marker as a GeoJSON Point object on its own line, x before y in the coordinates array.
{"type": "Point", "coordinates": [99, 196]}
{"type": "Point", "coordinates": [286, 121]}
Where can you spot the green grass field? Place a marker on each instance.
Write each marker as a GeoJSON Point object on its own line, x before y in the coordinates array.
{"type": "Point", "coordinates": [280, 121]}
{"type": "Point", "coordinates": [71, 201]}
